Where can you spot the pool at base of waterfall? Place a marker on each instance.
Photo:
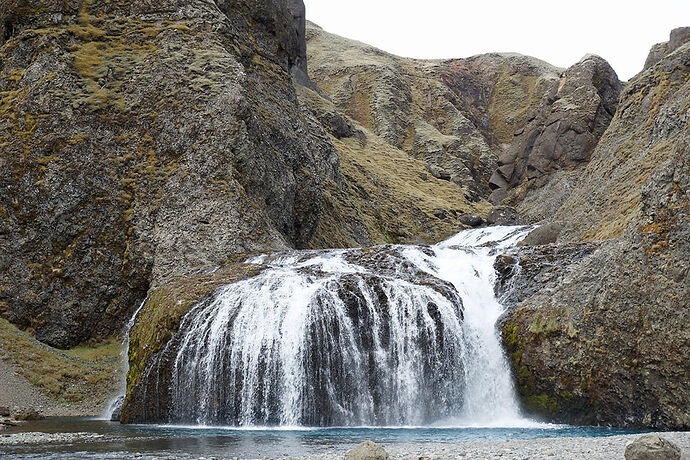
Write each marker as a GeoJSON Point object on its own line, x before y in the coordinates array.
{"type": "Point", "coordinates": [87, 438]}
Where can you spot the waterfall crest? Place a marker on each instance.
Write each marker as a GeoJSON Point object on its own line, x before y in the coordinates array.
{"type": "Point", "coordinates": [392, 335]}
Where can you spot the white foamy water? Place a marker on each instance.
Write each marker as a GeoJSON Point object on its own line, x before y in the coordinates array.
{"type": "Point", "coordinates": [387, 336]}
{"type": "Point", "coordinates": [115, 403]}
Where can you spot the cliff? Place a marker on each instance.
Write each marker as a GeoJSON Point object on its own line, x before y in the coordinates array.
{"type": "Point", "coordinates": [145, 140]}
{"type": "Point", "coordinates": [608, 341]}
{"type": "Point", "coordinates": [498, 124]}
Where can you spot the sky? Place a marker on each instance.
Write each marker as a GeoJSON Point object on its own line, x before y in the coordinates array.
{"type": "Point", "coordinates": [561, 33]}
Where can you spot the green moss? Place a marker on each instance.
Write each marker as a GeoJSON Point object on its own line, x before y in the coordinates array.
{"type": "Point", "coordinates": [542, 325]}
{"type": "Point", "coordinates": [541, 403]}
{"type": "Point", "coordinates": [515, 346]}
{"type": "Point", "coordinates": [160, 316]}
{"type": "Point", "coordinates": [538, 403]}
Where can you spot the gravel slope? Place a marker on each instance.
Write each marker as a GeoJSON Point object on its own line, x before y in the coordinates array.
{"type": "Point", "coordinates": [16, 392]}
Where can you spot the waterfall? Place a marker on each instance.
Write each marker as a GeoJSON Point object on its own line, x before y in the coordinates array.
{"type": "Point", "coordinates": [112, 411]}
{"type": "Point", "coordinates": [392, 335]}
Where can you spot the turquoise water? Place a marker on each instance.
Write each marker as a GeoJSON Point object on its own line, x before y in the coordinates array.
{"type": "Point", "coordinates": [123, 441]}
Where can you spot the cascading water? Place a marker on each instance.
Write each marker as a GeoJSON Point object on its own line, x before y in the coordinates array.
{"type": "Point", "coordinates": [112, 411]}
{"type": "Point", "coordinates": [393, 335]}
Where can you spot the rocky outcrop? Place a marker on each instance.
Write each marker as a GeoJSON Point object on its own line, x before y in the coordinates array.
{"type": "Point", "coordinates": [607, 343]}
{"type": "Point", "coordinates": [501, 122]}
{"type": "Point", "coordinates": [385, 195]}
{"type": "Point", "coordinates": [130, 157]}
{"type": "Point", "coordinates": [564, 131]}
{"type": "Point", "coordinates": [678, 38]}
{"type": "Point", "coordinates": [145, 140]}
{"type": "Point", "coordinates": [454, 115]}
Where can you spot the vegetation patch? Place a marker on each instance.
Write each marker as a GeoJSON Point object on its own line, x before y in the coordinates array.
{"type": "Point", "coordinates": [81, 374]}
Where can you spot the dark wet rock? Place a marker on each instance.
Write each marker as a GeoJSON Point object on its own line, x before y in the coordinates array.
{"type": "Point", "coordinates": [652, 447]}
{"type": "Point", "coordinates": [471, 220]}
{"type": "Point", "coordinates": [526, 270]}
{"type": "Point", "coordinates": [117, 409]}
{"type": "Point", "coordinates": [503, 215]}
{"type": "Point", "coordinates": [368, 450]}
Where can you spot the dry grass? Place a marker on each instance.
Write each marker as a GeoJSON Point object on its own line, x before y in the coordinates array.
{"type": "Point", "coordinates": [384, 190]}
{"type": "Point", "coordinates": [74, 375]}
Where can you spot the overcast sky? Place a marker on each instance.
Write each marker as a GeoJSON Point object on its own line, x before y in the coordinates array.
{"type": "Point", "coordinates": [556, 31]}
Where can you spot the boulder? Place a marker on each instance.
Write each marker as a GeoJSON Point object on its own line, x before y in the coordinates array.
{"type": "Point", "coordinates": [472, 220]}
{"type": "Point", "coordinates": [437, 172]}
{"type": "Point", "coordinates": [4, 411]}
{"type": "Point", "coordinates": [544, 234]}
{"type": "Point", "coordinates": [368, 450]}
{"type": "Point", "coordinates": [652, 447]}
{"type": "Point", "coordinates": [503, 215]}
{"type": "Point", "coordinates": [440, 213]}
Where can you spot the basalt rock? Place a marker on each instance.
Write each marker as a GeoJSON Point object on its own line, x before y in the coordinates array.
{"type": "Point", "coordinates": [607, 342]}
{"type": "Point", "coordinates": [544, 234]}
{"type": "Point", "coordinates": [503, 215]}
{"type": "Point", "coordinates": [564, 131]}
{"type": "Point", "coordinates": [471, 220]}
{"type": "Point", "coordinates": [678, 38]}
{"type": "Point", "coordinates": [143, 140]}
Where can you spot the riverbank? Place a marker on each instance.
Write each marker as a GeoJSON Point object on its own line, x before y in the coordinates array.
{"type": "Point", "coordinates": [601, 448]}
{"type": "Point", "coordinates": [571, 448]}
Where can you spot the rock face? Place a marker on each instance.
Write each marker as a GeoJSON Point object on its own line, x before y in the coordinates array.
{"type": "Point", "coordinates": [367, 450]}
{"type": "Point", "coordinates": [563, 132]}
{"type": "Point", "coordinates": [652, 447]}
{"type": "Point", "coordinates": [454, 115]}
{"type": "Point", "coordinates": [608, 342]}
{"type": "Point", "coordinates": [678, 38]}
{"type": "Point", "coordinates": [130, 157]}
{"type": "Point", "coordinates": [143, 140]}
{"type": "Point", "coordinates": [491, 122]}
